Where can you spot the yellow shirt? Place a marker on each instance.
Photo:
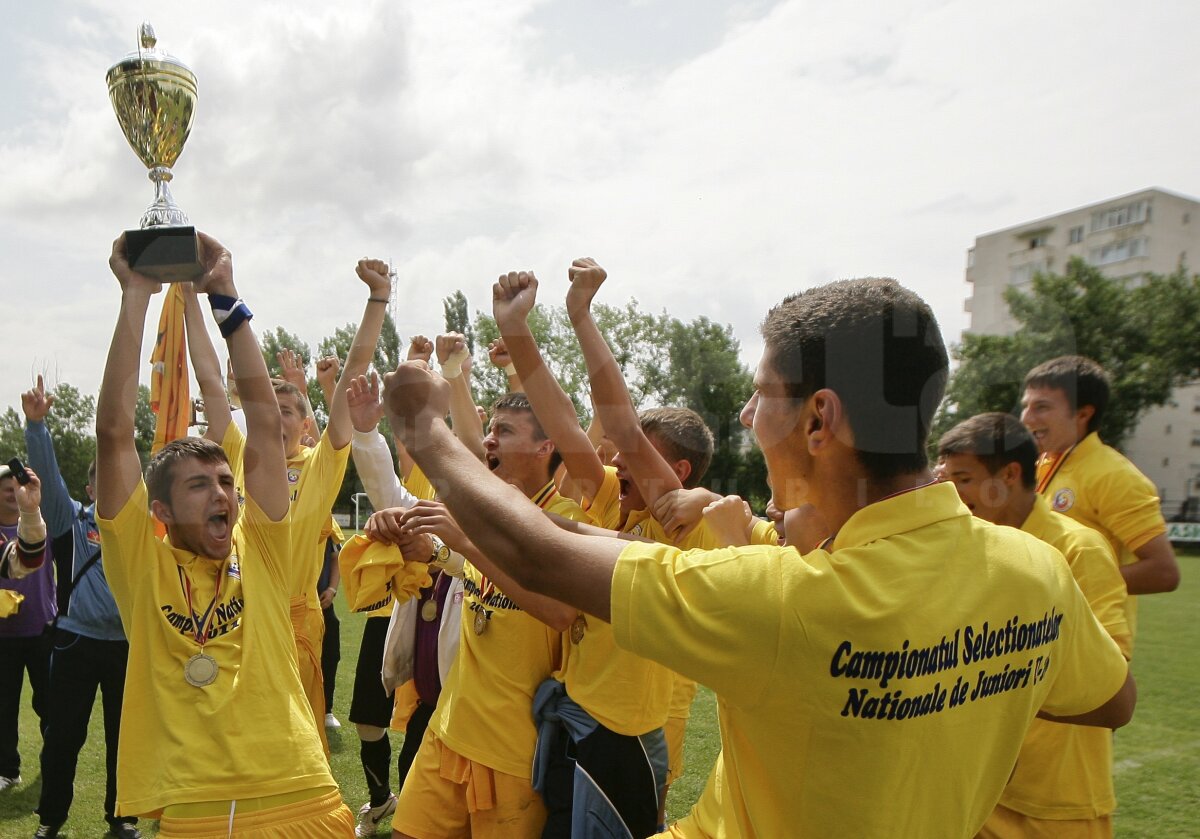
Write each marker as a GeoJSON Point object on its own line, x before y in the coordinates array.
{"type": "Point", "coordinates": [419, 485]}
{"type": "Point", "coordinates": [319, 469]}
{"type": "Point", "coordinates": [623, 691]}
{"type": "Point", "coordinates": [251, 732]}
{"type": "Point", "coordinates": [605, 506]}
{"type": "Point", "coordinates": [912, 659]}
{"type": "Point", "coordinates": [485, 709]}
{"type": "Point", "coordinates": [1065, 771]}
{"type": "Point", "coordinates": [683, 691]}
{"type": "Point", "coordinates": [1098, 486]}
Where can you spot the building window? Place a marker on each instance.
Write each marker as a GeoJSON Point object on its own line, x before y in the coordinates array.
{"type": "Point", "coordinates": [1166, 462]}
{"type": "Point", "coordinates": [1075, 236]}
{"type": "Point", "coordinates": [1134, 213]}
{"type": "Point", "coordinates": [1168, 431]}
{"type": "Point", "coordinates": [1196, 439]}
{"type": "Point", "coordinates": [1038, 241]}
{"type": "Point", "coordinates": [1023, 274]}
{"type": "Point", "coordinates": [971, 258]}
{"type": "Point", "coordinates": [1118, 251]}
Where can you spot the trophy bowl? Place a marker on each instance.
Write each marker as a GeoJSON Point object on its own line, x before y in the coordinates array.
{"type": "Point", "coordinates": [154, 97]}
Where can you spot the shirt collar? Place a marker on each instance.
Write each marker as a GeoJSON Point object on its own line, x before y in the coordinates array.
{"type": "Point", "coordinates": [901, 513]}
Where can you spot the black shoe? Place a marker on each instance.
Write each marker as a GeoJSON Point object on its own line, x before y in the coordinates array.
{"type": "Point", "coordinates": [124, 830]}
{"type": "Point", "coordinates": [47, 831]}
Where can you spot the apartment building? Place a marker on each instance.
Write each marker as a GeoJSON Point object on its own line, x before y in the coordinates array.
{"type": "Point", "coordinates": [1147, 232]}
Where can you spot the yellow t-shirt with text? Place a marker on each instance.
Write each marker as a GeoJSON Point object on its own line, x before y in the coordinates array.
{"type": "Point", "coordinates": [913, 658]}
{"type": "Point", "coordinates": [485, 709]}
{"type": "Point", "coordinates": [249, 734]}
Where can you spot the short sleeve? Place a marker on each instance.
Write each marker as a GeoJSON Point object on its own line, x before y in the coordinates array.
{"type": "Point", "coordinates": [1128, 507]}
{"type": "Point", "coordinates": [712, 616]}
{"type": "Point", "coordinates": [1090, 669]}
{"type": "Point", "coordinates": [128, 544]}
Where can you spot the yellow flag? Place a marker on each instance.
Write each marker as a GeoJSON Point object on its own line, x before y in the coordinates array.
{"type": "Point", "coordinates": [169, 396]}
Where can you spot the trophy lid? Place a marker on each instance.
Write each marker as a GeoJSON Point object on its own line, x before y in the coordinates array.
{"type": "Point", "coordinates": [148, 52]}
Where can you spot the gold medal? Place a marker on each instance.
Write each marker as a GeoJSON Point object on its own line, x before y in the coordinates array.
{"type": "Point", "coordinates": [200, 670]}
{"type": "Point", "coordinates": [481, 622]}
{"type": "Point", "coordinates": [578, 628]}
{"type": "Point", "coordinates": [429, 610]}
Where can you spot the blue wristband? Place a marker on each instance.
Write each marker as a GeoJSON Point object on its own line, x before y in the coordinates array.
{"type": "Point", "coordinates": [237, 316]}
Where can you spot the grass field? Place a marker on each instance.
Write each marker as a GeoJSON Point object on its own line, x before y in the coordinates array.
{"type": "Point", "coordinates": [1157, 755]}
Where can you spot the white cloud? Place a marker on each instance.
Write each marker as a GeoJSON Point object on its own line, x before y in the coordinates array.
{"type": "Point", "coordinates": [713, 160]}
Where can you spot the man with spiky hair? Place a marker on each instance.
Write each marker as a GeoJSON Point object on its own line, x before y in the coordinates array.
{"type": "Point", "coordinates": [872, 686]}
{"type": "Point", "coordinates": [218, 737]}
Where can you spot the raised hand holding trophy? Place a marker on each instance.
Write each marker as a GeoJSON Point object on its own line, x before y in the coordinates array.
{"type": "Point", "coordinates": [154, 97]}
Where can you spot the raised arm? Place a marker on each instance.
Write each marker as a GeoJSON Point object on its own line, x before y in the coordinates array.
{"type": "Point", "coordinates": [374, 273]}
{"type": "Point", "coordinates": [207, 367]}
{"type": "Point", "coordinates": [371, 456]}
{"type": "Point", "coordinates": [265, 465]}
{"type": "Point", "coordinates": [118, 469]}
{"type": "Point", "coordinates": [498, 518]}
{"type": "Point", "coordinates": [649, 470]}
{"type": "Point", "coordinates": [513, 298]}
{"type": "Point", "coordinates": [498, 355]}
{"type": "Point", "coordinates": [57, 506]}
{"type": "Point", "coordinates": [455, 362]}
{"type": "Point", "coordinates": [292, 367]}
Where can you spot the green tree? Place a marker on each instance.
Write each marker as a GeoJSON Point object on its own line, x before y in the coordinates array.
{"type": "Point", "coordinates": [71, 423]}
{"type": "Point", "coordinates": [1142, 332]}
{"type": "Point", "coordinates": [458, 318]}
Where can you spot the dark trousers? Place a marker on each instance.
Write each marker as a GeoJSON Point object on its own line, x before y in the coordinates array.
{"type": "Point", "coordinates": [331, 654]}
{"type": "Point", "coordinates": [78, 666]}
{"type": "Point", "coordinates": [413, 733]}
{"type": "Point", "coordinates": [19, 656]}
{"type": "Point", "coordinates": [617, 764]}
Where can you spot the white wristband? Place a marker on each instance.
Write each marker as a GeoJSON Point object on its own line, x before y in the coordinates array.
{"type": "Point", "coordinates": [452, 366]}
{"type": "Point", "coordinates": [510, 369]}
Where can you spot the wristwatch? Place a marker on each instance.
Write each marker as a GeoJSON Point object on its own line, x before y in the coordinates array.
{"type": "Point", "coordinates": [441, 553]}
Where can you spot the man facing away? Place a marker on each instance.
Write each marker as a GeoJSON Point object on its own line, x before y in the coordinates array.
{"type": "Point", "coordinates": [217, 737]}
{"type": "Point", "coordinates": [875, 687]}
{"type": "Point", "coordinates": [1062, 786]}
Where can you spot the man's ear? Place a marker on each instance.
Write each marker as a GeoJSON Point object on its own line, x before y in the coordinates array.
{"type": "Point", "coordinates": [683, 470]}
{"type": "Point", "coordinates": [1010, 474]}
{"type": "Point", "coordinates": [1083, 416]}
{"type": "Point", "coordinates": [545, 448]}
{"type": "Point", "coordinates": [823, 419]}
{"type": "Point", "coordinates": [162, 512]}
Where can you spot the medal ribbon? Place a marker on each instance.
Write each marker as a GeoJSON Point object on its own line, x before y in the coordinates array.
{"type": "Point", "coordinates": [199, 622]}
{"type": "Point", "coordinates": [1051, 464]}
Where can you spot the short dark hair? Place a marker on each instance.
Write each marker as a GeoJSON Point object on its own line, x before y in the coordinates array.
{"type": "Point", "coordinates": [996, 439]}
{"type": "Point", "coordinates": [161, 472]}
{"type": "Point", "coordinates": [878, 346]}
{"type": "Point", "coordinates": [518, 401]}
{"type": "Point", "coordinates": [684, 435]}
{"type": "Point", "coordinates": [282, 386]}
{"type": "Point", "coordinates": [1083, 381]}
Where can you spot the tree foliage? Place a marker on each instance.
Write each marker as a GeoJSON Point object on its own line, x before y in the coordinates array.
{"type": "Point", "coordinates": [1142, 332]}
{"type": "Point", "coordinates": [458, 318]}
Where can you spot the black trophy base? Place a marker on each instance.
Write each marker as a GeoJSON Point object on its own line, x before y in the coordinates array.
{"type": "Point", "coordinates": [168, 254]}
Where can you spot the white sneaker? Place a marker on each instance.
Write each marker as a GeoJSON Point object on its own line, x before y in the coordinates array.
{"type": "Point", "coordinates": [331, 721]}
{"type": "Point", "coordinates": [369, 817]}
{"type": "Point", "coordinates": [9, 783]}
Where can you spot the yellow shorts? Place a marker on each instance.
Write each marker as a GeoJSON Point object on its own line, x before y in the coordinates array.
{"type": "Point", "coordinates": [1004, 823]}
{"type": "Point", "coordinates": [323, 817]}
{"type": "Point", "coordinates": [447, 796]}
{"type": "Point", "coordinates": [673, 731]}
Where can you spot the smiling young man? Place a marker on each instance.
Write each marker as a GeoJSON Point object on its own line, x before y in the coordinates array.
{"type": "Point", "coordinates": [872, 689]}
{"type": "Point", "coordinates": [216, 735]}
{"type": "Point", "coordinates": [1062, 785]}
{"type": "Point", "coordinates": [1062, 406]}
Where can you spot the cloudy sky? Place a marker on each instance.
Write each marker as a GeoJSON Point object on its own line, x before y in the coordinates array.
{"type": "Point", "coordinates": [714, 156]}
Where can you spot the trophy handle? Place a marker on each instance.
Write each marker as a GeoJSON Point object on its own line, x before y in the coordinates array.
{"type": "Point", "coordinates": [164, 210]}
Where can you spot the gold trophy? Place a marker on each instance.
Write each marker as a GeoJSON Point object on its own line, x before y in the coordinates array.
{"type": "Point", "coordinates": [154, 97]}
